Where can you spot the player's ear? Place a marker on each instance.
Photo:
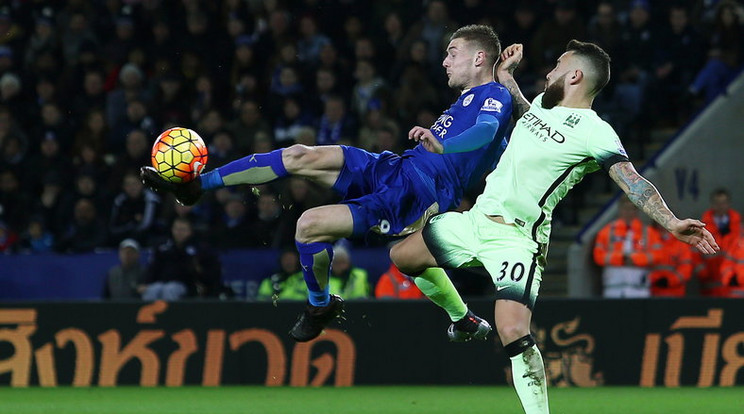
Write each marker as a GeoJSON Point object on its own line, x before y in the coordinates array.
{"type": "Point", "coordinates": [480, 58]}
{"type": "Point", "coordinates": [577, 76]}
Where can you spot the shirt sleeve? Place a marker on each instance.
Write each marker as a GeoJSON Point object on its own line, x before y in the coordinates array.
{"type": "Point", "coordinates": [605, 147]}
{"type": "Point", "coordinates": [476, 136]}
{"type": "Point", "coordinates": [494, 112]}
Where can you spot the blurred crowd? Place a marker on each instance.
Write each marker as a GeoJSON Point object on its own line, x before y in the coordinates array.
{"type": "Point", "coordinates": [86, 86]}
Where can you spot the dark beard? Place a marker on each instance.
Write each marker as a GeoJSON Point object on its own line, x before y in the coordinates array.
{"type": "Point", "coordinates": [553, 94]}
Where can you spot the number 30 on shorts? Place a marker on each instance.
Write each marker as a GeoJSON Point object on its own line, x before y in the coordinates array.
{"type": "Point", "coordinates": [515, 271]}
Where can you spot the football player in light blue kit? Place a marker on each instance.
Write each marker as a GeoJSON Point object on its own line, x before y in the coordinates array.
{"type": "Point", "coordinates": [387, 193]}
{"type": "Point", "coordinates": [557, 140]}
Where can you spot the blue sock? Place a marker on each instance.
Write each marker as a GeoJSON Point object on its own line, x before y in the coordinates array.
{"type": "Point", "coordinates": [211, 180]}
{"type": "Point", "coordinates": [253, 169]}
{"type": "Point", "coordinates": [315, 259]}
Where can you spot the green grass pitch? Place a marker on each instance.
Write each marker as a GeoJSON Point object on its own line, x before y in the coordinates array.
{"type": "Point", "coordinates": [364, 399]}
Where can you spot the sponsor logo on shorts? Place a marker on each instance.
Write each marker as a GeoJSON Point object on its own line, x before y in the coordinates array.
{"type": "Point", "coordinates": [500, 288]}
{"type": "Point", "coordinates": [468, 99]}
{"type": "Point", "coordinates": [492, 105]}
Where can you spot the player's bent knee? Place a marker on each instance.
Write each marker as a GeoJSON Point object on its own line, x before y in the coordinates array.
{"type": "Point", "coordinates": [510, 332]}
{"type": "Point", "coordinates": [295, 157]}
{"type": "Point", "coordinates": [404, 263]}
{"type": "Point", "coordinates": [307, 226]}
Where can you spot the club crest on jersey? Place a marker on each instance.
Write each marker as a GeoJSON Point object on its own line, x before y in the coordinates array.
{"type": "Point", "coordinates": [572, 120]}
{"type": "Point", "coordinates": [468, 99]}
{"type": "Point", "coordinates": [492, 105]}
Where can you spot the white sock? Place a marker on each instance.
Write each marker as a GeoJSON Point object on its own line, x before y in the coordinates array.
{"type": "Point", "coordinates": [528, 373]}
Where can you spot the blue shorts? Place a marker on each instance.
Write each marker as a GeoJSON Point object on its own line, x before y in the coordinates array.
{"type": "Point", "coordinates": [385, 194]}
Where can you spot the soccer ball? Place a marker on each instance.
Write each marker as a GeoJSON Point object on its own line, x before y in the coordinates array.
{"type": "Point", "coordinates": [179, 155]}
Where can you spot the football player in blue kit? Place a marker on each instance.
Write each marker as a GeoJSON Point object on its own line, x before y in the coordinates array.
{"type": "Point", "coordinates": [387, 193]}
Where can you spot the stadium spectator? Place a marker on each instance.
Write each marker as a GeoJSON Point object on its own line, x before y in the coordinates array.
{"type": "Point", "coordinates": [368, 88]}
{"type": "Point", "coordinates": [675, 66]}
{"type": "Point", "coordinates": [673, 266]}
{"type": "Point", "coordinates": [14, 202]}
{"type": "Point", "coordinates": [117, 49]}
{"type": "Point", "coordinates": [36, 238]}
{"type": "Point", "coordinates": [233, 229]}
{"type": "Point", "coordinates": [85, 232]}
{"type": "Point", "coordinates": [124, 279]}
{"type": "Point", "coordinates": [725, 53]}
{"type": "Point", "coordinates": [92, 97]}
{"type": "Point", "coordinates": [390, 47]}
{"type": "Point", "coordinates": [222, 148]}
{"type": "Point", "coordinates": [626, 248]}
{"type": "Point", "coordinates": [393, 284]}
{"type": "Point", "coordinates": [131, 79]}
{"type": "Point", "coordinates": [272, 227]}
{"type": "Point", "coordinates": [135, 211]}
{"type": "Point", "coordinates": [50, 203]}
{"type": "Point", "coordinates": [8, 239]}
{"type": "Point", "coordinates": [137, 118]}
{"type": "Point", "coordinates": [247, 125]}
{"type": "Point", "coordinates": [287, 283]}
{"type": "Point", "coordinates": [292, 118]}
{"type": "Point", "coordinates": [347, 280]}
{"type": "Point", "coordinates": [181, 267]}
{"type": "Point", "coordinates": [50, 161]}
{"type": "Point", "coordinates": [137, 154]}
{"type": "Point", "coordinates": [433, 28]}
{"type": "Point", "coordinates": [725, 224]}
{"type": "Point", "coordinates": [171, 102]}
{"type": "Point", "coordinates": [311, 42]}
{"type": "Point", "coordinates": [44, 37]}
{"type": "Point", "coordinates": [732, 269]}
{"type": "Point", "coordinates": [414, 94]}
{"type": "Point", "coordinates": [325, 87]}
{"type": "Point", "coordinates": [335, 124]}
{"type": "Point", "coordinates": [86, 186]}
{"type": "Point", "coordinates": [554, 33]}
{"type": "Point", "coordinates": [94, 132]}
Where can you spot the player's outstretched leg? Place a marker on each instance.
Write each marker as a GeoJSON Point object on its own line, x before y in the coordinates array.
{"type": "Point", "coordinates": [316, 229]}
{"type": "Point", "coordinates": [438, 287]}
{"type": "Point", "coordinates": [320, 164]}
{"type": "Point", "coordinates": [413, 258]}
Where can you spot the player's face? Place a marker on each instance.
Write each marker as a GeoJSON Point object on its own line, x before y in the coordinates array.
{"type": "Point", "coordinates": [459, 64]}
{"type": "Point", "coordinates": [556, 81]}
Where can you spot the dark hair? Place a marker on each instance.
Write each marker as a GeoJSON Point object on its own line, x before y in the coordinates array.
{"type": "Point", "coordinates": [597, 58]}
{"type": "Point", "coordinates": [483, 36]}
{"type": "Point", "coordinates": [720, 192]}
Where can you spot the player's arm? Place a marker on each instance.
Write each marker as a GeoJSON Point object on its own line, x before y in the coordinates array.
{"type": "Point", "coordinates": [481, 133]}
{"type": "Point", "coordinates": [644, 195]}
{"type": "Point", "coordinates": [510, 58]}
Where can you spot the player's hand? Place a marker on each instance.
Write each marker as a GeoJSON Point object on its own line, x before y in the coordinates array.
{"type": "Point", "coordinates": [510, 58]}
{"type": "Point", "coordinates": [694, 233]}
{"type": "Point", "coordinates": [424, 137]}
{"type": "Point", "coordinates": [186, 193]}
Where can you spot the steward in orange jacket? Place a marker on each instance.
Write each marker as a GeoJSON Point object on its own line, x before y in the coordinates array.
{"type": "Point", "coordinates": [732, 269]}
{"type": "Point", "coordinates": [393, 284]}
{"type": "Point", "coordinates": [673, 267]}
{"type": "Point", "coordinates": [626, 249]}
{"type": "Point", "coordinates": [724, 224]}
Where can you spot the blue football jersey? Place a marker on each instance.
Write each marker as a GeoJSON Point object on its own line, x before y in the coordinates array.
{"type": "Point", "coordinates": [449, 175]}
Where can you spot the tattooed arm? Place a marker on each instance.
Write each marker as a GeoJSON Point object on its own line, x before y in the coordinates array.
{"type": "Point", "coordinates": [510, 58]}
{"type": "Point", "coordinates": [644, 195]}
